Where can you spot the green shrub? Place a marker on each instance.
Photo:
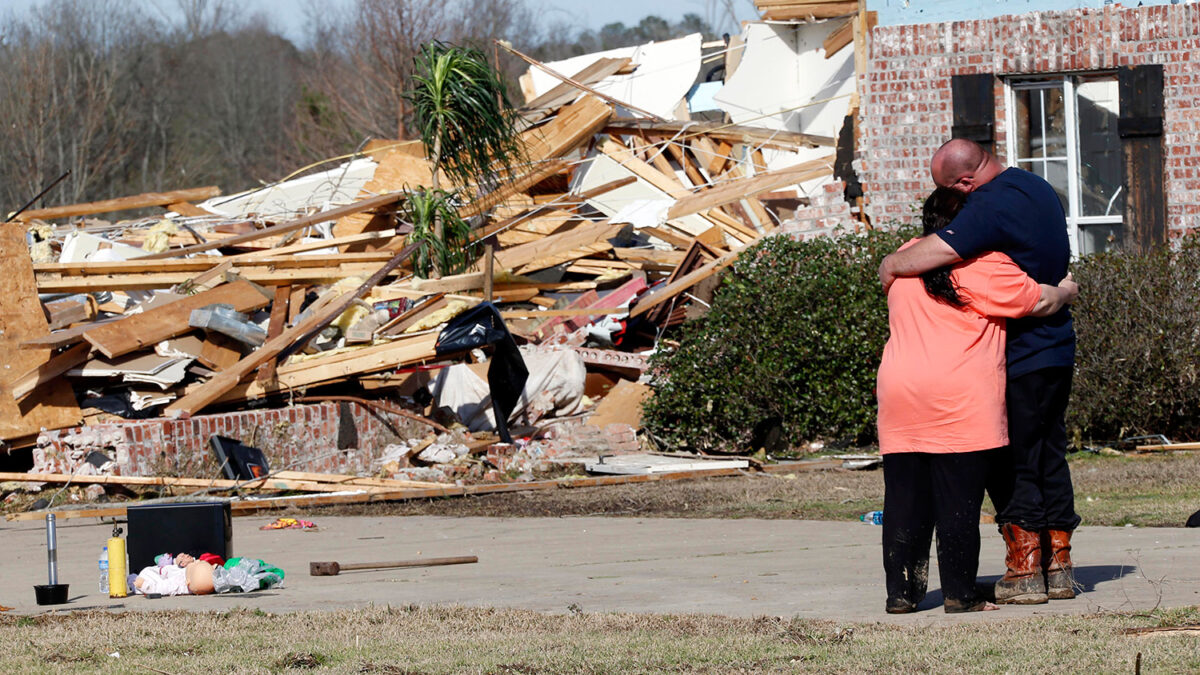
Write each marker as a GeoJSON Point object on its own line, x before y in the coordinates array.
{"type": "Point", "coordinates": [1138, 325]}
{"type": "Point", "coordinates": [794, 337]}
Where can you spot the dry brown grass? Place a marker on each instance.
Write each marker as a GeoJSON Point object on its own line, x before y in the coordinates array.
{"type": "Point", "coordinates": [470, 640]}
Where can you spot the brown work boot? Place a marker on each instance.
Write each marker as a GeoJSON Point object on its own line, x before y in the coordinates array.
{"type": "Point", "coordinates": [1060, 573]}
{"type": "Point", "coordinates": [1024, 583]}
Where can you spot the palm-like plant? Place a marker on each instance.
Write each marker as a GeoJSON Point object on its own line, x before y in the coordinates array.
{"type": "Point", "coordinates": [465, 119]}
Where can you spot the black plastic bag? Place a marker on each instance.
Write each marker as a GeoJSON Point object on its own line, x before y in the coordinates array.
{"type": "Point", "coordinates": [480, 326]}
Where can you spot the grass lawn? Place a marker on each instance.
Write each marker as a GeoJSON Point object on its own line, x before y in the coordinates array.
{"type": "Point", "coordinates": [466, 640]}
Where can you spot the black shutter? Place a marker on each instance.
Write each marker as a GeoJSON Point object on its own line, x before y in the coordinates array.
{"type": "Point", "coordinates": [974, 108]}
{"type": "Point", "coordinates": [1140, 127]}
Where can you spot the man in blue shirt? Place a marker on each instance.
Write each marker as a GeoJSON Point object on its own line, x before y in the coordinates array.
{"type": "Point", "coordinates": [1019, 214]}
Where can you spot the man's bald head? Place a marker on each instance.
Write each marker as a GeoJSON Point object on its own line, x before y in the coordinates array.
{"type": "Point", "coordinates": [963, 165]}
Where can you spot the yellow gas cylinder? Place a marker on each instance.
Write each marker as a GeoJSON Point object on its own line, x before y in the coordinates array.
{"type": "Point", "coordinates": [117, 569]}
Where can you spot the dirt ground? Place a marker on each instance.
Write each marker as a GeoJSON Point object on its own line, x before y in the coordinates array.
{"type": "Point", "coordinates": [1144, 490]}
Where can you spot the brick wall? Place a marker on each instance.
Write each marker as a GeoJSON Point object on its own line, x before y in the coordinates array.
{"type": "Point", "coordinates": [827, 213]}
{"type": "Point", "coordinates": [906, 99]}
{"type": "Point", "coordinates": [327, 437]}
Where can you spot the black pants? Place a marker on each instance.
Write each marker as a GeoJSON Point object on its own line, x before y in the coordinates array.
{"type": "Point", "coordinates": [924, 491]}
{"type": "Point", "coordinates": [1041, 494]}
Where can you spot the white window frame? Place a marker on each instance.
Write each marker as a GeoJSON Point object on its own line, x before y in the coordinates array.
{"type": "Point", "coordinates": [1067, 82]}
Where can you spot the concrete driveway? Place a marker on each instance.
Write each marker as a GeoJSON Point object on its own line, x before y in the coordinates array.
{"type": "Point", "coordinates": [814, 569]}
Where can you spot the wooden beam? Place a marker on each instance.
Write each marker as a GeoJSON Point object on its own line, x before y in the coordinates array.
{"type": "Point", "coordinates": [583, 235]}
{"type": "Point", "coordinates": [748, 187]}
{"type": "Point", "coordinates": [317, 245]}
{"type": "Point", "coordinates": [267, 483]}
{"type": "Point", "coordinates": [279, 312]}
{"type": "Point", "coordinates": [664, 293]}
{"type": "Point", "coordinates": [767, 138]}
{"type": "Point", "coordinates": [513, 187]}
{"type": "Point", "coordinates": [42, 374]}
{"type": "Point", "coordinates": [406, 351]}
{"type": "Point", "coordinates": [141, 201]}
{"type": "Point", "coordinates": [564, 93]}
{"type": "Point", "coordinates": [138, 331]}
{"type": "Point", "coordinates": [573, 126]}
{"type": "Point", "coordinates": [839, 38]}
{"type": "Point", "coordinates": [283, 228]}
{"type": "Point", "coordinates": [808, 12]}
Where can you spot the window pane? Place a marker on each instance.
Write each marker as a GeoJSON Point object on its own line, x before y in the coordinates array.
{"type": "Point", "coordinates": [1100, 164]}
{"type": "Point", "coordinates": [1041, 123]}
{"type": "Point", "coordinates": [1055, 173]}
{"type": "Point", "coordinates": [1099, 238]}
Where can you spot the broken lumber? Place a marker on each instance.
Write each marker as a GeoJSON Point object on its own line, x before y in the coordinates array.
{"type": "Point", "coordinates": [141, 201]}
{"type": "Point", "coordinates": [664, 293]}
{"type": "Point", "coordinates": [137, 331]}
{"type": "Point", "coordinates": [52, 405]}
{"type": "Point", "coordinates": [265, 483]}
{"type": "Point", "coordinates": [741, 188]}
{"type": "Point", "coordinates": [292, 338]}
{"type": "Point", "coordinates": [283, 228]}
{"type": "Point", "coordinates": [732, 133]}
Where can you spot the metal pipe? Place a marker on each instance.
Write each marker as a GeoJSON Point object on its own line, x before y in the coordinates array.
{"type": "Point", "coordinates": [51, 549]}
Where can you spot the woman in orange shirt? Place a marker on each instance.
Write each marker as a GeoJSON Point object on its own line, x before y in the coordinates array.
{"type": "Point", "coordinates": [941, 410]}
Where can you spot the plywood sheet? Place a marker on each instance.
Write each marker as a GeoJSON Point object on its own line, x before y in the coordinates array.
{"type": "Point", "coordinates": [51, 405]}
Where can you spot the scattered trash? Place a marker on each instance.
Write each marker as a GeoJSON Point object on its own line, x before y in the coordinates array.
{"type": "Point", "coordinates": [289, 524]}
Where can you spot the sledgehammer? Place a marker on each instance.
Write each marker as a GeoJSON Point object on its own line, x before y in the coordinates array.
{"type": "Point", "coordinates": [331, 569]}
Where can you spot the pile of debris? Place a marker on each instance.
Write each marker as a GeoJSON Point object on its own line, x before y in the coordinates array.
{"type": "Point", "coordinates": [607, 234]}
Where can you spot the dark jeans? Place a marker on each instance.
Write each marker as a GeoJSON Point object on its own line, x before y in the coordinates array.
{"type": "Point", "coordinates": [1041, 496]}
{"type": "Point", "coordinates": [924, 491]}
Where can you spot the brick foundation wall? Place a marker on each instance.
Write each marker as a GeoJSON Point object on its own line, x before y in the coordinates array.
{"type": "Point", "coordinates": [906, 98]}
{"type": "Point", "coordinates": [325, 437]}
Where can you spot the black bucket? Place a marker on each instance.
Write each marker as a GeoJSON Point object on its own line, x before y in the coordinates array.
{"type": "Point", "coordinates": [51, 594]}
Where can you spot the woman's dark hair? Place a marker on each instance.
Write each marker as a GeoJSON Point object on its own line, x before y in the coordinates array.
{"type": "Point", "coordinates": [940, 208]}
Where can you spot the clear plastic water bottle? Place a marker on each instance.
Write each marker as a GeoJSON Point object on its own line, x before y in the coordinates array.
{"type": "Point", "coordinates": [872, 518]}
{"type": "Point", "coordinates": [104, 571]}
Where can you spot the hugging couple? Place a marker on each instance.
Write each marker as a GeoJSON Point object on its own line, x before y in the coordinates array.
{"type": "Point", "coordinates": [973, 387]}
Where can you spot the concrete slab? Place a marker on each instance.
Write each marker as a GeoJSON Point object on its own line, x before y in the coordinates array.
{"type": "Point", "coordinates": [824, 570]}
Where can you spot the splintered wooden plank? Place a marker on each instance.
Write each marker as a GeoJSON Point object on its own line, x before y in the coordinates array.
{"type": "Point", "coordinates": [537, 227]}
{"type": "Point", "coordinates": [121, 204]}
{"type": "Point", "coordinates": [563, 92]}
{"type": "Point", "coordinates": [748, 187]}
{"type": "Point", "coordinates": [565, 256]}
{"type": "Point", "coordinates": [51, 405]}
{"type": "Point", "coordinates": [732, 133]}
{"type": "Point", "coordinates": [513, 187]}
{"type": "Point", "coordinates": [563, 242]}
{"type": "Point", "coordinates": [279, 312]}
{"type": "Point", "coordinates": [574, 125]}
{"type": "Point", "coordinates": [284, 228]}
{"type": "Point", "coordinates": [291, 338]}
{"type": "Point", "coordinates": [664, 293]}
{"type": "Point", "coordinates": [839, 38]}
{"type": "Point", "coordinates": [310, 372]}
{"type": "Point", "coordinates": [138, 331]}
